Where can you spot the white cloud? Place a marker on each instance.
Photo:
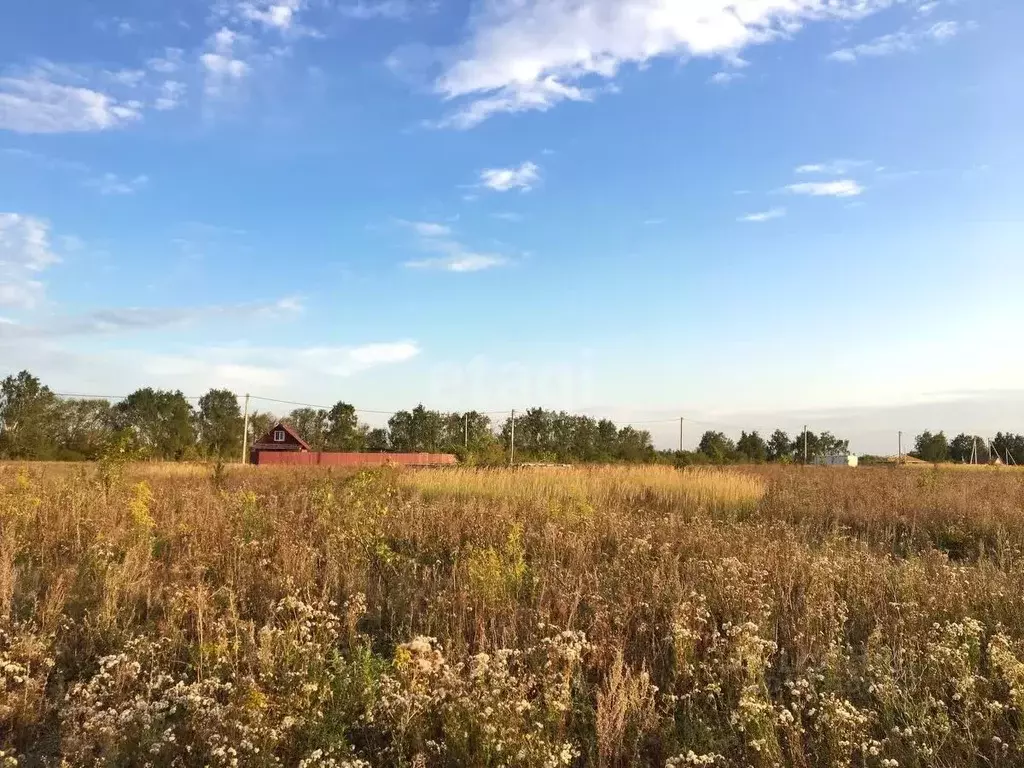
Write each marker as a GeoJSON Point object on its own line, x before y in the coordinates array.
{"type": "Point", "coordinates": [37, 104]}
{"type": "Point", "coordinates": [455, 257]}
{"type": "Point", "coordinates": [243, 367]}
{"type": "Point", "coordinates": [540, 95]}
{"type": "Point", "coordinates": [129, 78]}
{"type": "Point", "coordinates": [279, 14]}
{"type": "Point", "coordinates": [429, 229]}
{"type": "Point", "coordinates": [840, 188]}
{"type": "Point", "coordinates": [898, 42]}
{"type": "Point", "coordinates": [222, 68]}
{"type": "Point", "coordinates": [724, 78]}
{"type": "Point", "coordinates": [762, 216]}
{"type": "Point", "coordinates": [461, 261]}
{"type": "Point", "coordinates": [347, 361]}
{"type": "Point", "coordinates": [134, 319]}
{"type": "Point", "coordinates": [505, 179]}
{"type": "Point", "coordinates": [169, 63]}
{"type": "Point", "coordinates": [112, 184]}
{"type": "Point", "coordinates": [508, 216]}
{"type": "Point", "coordinates": [25, 251]}
{"type": "Point", "coordinates": [832, 167]}
{"type": "Point", "coordinates": [172, 96]}
{"type": "Point", "coordinates": [396, 10]}
{"type": "Point", "coordinates": [534, 54]}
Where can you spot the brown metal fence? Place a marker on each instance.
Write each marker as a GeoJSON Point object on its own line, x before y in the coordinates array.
{"type": "Point", "coordinates": [288, 458]}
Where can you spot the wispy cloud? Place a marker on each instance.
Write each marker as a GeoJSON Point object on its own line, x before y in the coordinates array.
{"type": "Point", "coordinates": [429, 228]}
{"type": "Point", "coordinates": [39, 103]}
{"type": "Point", "coordinates": [245, 366]}
{"type": "Point", "coordinates": [840, 188]}
{"type": "Point", "coordinates": [25, 252]}
{"type": "Point", "coordinates": [120, 25]}
{"type": "Point", "coordinates": [169, 63]}
{"type": "Point", "coordinates": [531, 55]}
{"type": "Point", "coordinates": [394, 10]}
{"type": "Point", "coordinates": [724, 78]}
{"type": "Point", "coordinates": [505, 179]}
{"type": "Point", "coordinates": [221, 66]}
{"type": "Point", "coordinates": [898, 42]}
{"type": "Point", "coordinates": [453, 255]}
{"type": "Point", "coordinates": [112, 184]}
{"type": "Point", "coordinates": [348, 361]}
{"type": "Point", "coordinates": [45, 161]}
{"type": "Point", "coordinates": [133, 319]}
{"type": "Point", "coordinates": [832, 167]}
{"type": "Point", "coordinates": [460, 260]}
{"type": "Point", "coordinates": [279, 14]}
{"type": "Point", "coordinates": [172, 96]}
{"type": "Point", "coordinates": [762, 216]}
{"type": "Point", "coordinates": [129, 78]}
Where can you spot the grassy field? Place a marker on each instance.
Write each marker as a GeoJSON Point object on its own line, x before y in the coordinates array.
{"type": "Point", "coordinates": [184, 616]}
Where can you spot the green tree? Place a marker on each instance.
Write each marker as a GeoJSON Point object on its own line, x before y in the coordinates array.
{"type": "Point", "coordinates": [635, 445]}
{"type": "Point", "coordinates": [830, 445]}
{"type": "Point", "coordinates": [311, 425]}
{"type": "Point", "coordinates": [929, 447]}
{"type": "Point", "coordinates": [812, 445]}
{"type": "Point", "coordinates": [377, 441]}
{"type": "Point", "coordinates": [84, 429]}
{"type": "Point", "coordinates": [260, 424]}
{"type": "Point", "coordinates": [962, 448]}
{"type": "Point", "coordinates": [606, 443]}
{"type": "Point", "coordinates": [160, 422]}
{"type": "Point", "coordinates": [779, 446]}
{"type": "Point", "coordinates": [716, 446]}
{"type": "Point", "coordinates": [415, 431]}
{"type": "Point", "coordinates": [219, 424]}
{"type": "Point", "coordinates": [1009, 447]}
{"type": "Point", "coordinates": [344, 432]}
{"type": "Point", "coordinates": [28, 411]}
{"type": "Point", "coordinates": [534, 435]}
{"type": "Point", "coordinates": [753, 447]}
{"type": "Point", "coordinates": [468, 434]}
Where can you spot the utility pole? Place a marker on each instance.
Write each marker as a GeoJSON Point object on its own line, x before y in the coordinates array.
{"type": "Point", "coordinates": [974, 452]}
{"type": "Point", "coordinates": [805, 444]}
{"type": "Point", "coordinates": [512, 447]}
{"type": "Point", "coordinates": [465, 438]}
{"type": "Point", "coordinates": [899, 458]}
{"type": "Point", "coordinates": [680, 434]}
{"type": "Point", "coordinates": [245, 431]}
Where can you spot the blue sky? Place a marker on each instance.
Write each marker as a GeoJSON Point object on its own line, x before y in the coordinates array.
{"type": "Point", "coordinates": [738, 211]}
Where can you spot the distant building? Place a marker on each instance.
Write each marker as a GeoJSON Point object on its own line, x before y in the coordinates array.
{"type": "Point", "coordinates": [282, 445]}
{"type": "Point", "coordinates": [280, 439]}
{"type": "Point", "coordinates": [837, 460]}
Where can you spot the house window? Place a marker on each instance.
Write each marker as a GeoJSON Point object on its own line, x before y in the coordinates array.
{"type": "Point", "coordinates": [278, 435]}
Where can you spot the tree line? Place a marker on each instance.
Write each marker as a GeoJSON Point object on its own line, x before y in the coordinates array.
{"type": "Point", "coordinates": [1007, 447]}
{"type": "Point", "coordinates": [36, 424]}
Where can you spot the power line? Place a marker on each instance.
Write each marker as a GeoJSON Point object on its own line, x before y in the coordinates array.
{"type": "Point", "coordinates": [71, 396]}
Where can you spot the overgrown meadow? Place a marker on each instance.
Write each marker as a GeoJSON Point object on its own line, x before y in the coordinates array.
{"type": "Point", "coordinates": [187, 616]}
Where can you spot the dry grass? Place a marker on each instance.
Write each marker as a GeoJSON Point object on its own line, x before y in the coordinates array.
{"type": "Point", "coordinates": [175, 616]}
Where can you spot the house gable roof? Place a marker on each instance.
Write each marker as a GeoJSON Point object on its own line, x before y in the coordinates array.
{"type": "Point", "coordinates": [269, 437]}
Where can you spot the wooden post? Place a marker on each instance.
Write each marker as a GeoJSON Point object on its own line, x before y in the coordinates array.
{"type": "Point", "coordinates": [245, 432]}
{"type": "Point", "coordinates": [512, 447]}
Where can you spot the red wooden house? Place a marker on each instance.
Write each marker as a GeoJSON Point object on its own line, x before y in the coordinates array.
{"type": "Point", "coordinates": [280, 439]}
{"type": "Point", "coordinates": [283, 445]}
